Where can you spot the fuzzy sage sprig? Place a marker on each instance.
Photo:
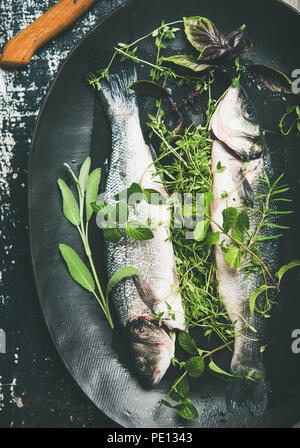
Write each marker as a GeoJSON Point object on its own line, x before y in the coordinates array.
{"type": "Point", "coordinates": [79, 215]}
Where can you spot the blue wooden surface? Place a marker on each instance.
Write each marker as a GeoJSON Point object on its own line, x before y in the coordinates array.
{"type": "Point", "coordinates": [35, 388]}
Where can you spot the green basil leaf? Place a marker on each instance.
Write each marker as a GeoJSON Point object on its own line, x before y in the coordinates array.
{"type": "Point", "coordinates": [187, 343]}
{"type": "Point", "coordinates": [230, 216]}
{"type": "Point", "coordinates": [70, 206]}
{"type": "Point", "coordinates": [286, 267]}
{"type": "Point", "coordinates": [222, 375]}
{"type": "Point", "coordinates": [195, 366]}
{"type": "Point", "coordinates": [126, 271]}
{"type": "Point", "coordinates": [187, 62]}
{"type": "Point", "coordinates": [92, 190]}
{"type": "Point", "coordinates": [138, 231]}
{"type": "Point", "coordinates": [77, 268]}
{"type": "Point", "coordinates": [84, 173]}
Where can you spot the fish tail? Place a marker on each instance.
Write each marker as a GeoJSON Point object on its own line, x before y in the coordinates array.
{"type": "Point", "coordinates": [253, 392]}
{"type": "Point", "coordinates": [115, 95]}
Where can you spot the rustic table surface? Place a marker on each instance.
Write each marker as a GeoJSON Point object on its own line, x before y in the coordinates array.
{"type": "Point", "coordinates": [36, 390]}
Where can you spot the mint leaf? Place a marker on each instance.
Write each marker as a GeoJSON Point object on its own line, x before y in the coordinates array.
{"type": "Point", "coordinates": [230, 216]}
{"type": "Point", "coordinates": [187, 343]}
{"type": "Point", "coordinates": [138, 231]}
{"type": "Point", "coordinates": [195, 366]}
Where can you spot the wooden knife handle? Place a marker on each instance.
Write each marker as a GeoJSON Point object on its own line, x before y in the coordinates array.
{"type": "Point", "coordinates": [19, 50]}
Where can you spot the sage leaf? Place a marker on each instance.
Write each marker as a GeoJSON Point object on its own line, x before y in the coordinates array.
{"type": "Point", "coordinates": [77, 268]}
{"type": "Point", "coordinates": [124, 272]}
{"type": "Point", "coordinates": [187, 343]}
{"type": "Point", "coordinates": [138, 231]}
{"type": "Point", "coordinates": [70, 206]}
{"type": "Point", "coordinates": [84, 173]}
{"type": "Point", "coordinates": [92, 190]}
{"type": "Point", "coordinates": [254, 295]}
{"type": "Point", "coordinates": [195, 366]}
{"type": "Point", "coordinates": [286, 267]}
{"type": "Point", "coordinates": [222, 375]}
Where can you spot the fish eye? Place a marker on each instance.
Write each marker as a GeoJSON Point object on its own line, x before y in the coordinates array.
{"type": "Point", "coordinates": [140, 364]}
{"type": "Point", "coordinates": [249, 112]}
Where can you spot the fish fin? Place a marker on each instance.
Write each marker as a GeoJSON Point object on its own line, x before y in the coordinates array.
{"type": "Point", "coordinates": [153, 152]}
{"type": "Point", "coordinates": [115, 95]}
{"type": "Point", "coordinates": [146, 293]}
{"type": "Point", "coordinates": [248, 195]}
{"type": "Point", "coordinates": [254, 393]}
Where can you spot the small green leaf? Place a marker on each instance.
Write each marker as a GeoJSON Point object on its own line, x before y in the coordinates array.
{"type": "Point", "coordinates": [254, 296]}
{"type": "Point", "coordinates": [126, 271]}
{"type": "Point", "coordinates": [211, 239]}
{"type": "Point", "coordinates": [153, 197]}
{"type": "Point", "coordinates": [242, 224]}
{"type": "Point", "coordinates": [221, 374]}
{"type": "Point", "coordinates": [187, 410]}
{"type": "Point", "coordinates": [182, 389]}
{"type": "Point", "coordinates": [230, 216]}
{"type": "Point", "coordinates": [138, 231]}
{"type": "Point", "coordinates": [233, 257]}
{"type": "Point", "coordinates": [70, 206]}
{"type": "Point", "coordinates": [187, 343]}
{"type": "Point", "coordinates": [125, 194]}
{"type": "Point", "coordinates": [92, 190]}
{"type": "Point", "coordinates": [187, 62]}
{"type": "Point", "coordinates": [201, 229]}
{"type": "Point", "coordinates": [77, 268]}
{"type": "Point", "coordinates": [84, 173]}
{"type": "Point", "coordinates": [113, 235]}
{"type": "Point", "coordinates": [286, 267]}
{"type": "Point", "coordinates": [195, 366]}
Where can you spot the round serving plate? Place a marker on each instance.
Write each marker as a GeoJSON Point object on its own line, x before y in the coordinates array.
{"type": "Point", "coordinates": [71, 126]}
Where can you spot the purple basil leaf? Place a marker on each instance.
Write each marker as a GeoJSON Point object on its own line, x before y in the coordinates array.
{"type": "Point", "coordinates": [239, 42]}
{"type": "Point", "coordinates": [149, 88]}
{"type": "Point", "coordinates": [188, 62]}
{"type": "Point", "coordinates": [273, 79]}
{"type": "Point", "coordinates": [201, 32]}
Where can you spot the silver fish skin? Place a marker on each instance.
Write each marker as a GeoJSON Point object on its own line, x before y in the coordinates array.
{"type": "Point", "coordinates": [155, 287]}
{"type": "Point", "coordinates": [238, 139]}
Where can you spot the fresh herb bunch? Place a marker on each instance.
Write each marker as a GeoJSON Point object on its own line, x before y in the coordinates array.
{"type": "Point", "coordinates": [184, 164]}
{"type": "Point", "coordinates": [79, 215]}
